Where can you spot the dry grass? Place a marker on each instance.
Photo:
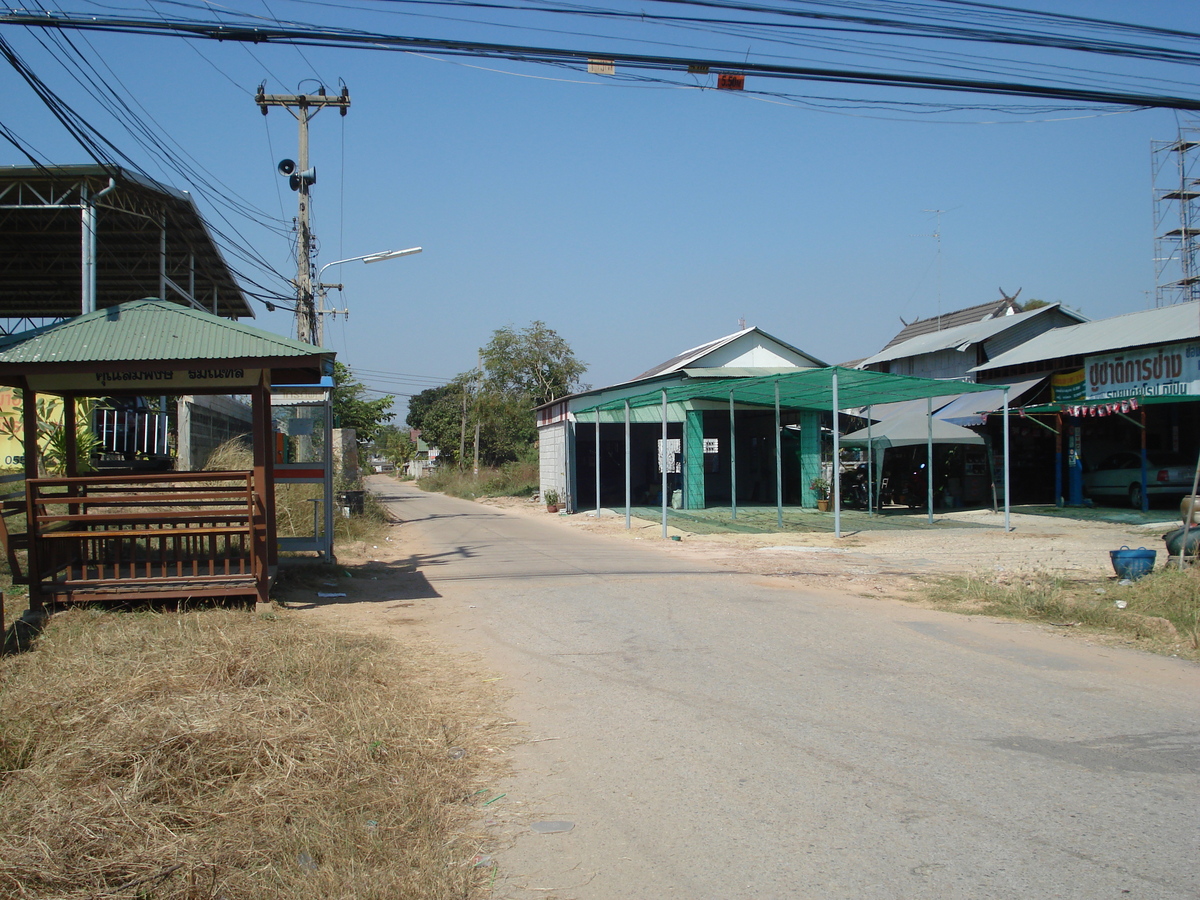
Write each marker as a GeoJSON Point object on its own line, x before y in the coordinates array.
{"type": "Point", "coordinates": [1161, 611]}
{"type": "Point", "coordinates": [217, 754]}
{"type": "Point", "coordinates": [513, 479]}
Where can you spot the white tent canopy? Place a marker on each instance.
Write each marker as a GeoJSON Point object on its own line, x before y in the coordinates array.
{"type": "Point", "coordinates": [909, 429]}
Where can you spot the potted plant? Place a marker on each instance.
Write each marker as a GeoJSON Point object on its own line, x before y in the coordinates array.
{"type": "Point", "coordinates": [551, 498]}
{"type": "Point", "coordinates": [820, 487]}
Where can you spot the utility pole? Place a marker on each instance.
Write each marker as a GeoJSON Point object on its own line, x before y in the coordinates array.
{"type": "Point", "coordinates": [478, 376]}
{"type": "Point", "coordinates": [301, 177]}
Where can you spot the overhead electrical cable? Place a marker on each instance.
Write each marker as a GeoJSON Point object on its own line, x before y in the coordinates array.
{"type": "Point", "coordinates": [313, 36]}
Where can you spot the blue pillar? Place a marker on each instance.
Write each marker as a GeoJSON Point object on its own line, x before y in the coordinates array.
{"type": "Point", "coordinates": [1074, 466]}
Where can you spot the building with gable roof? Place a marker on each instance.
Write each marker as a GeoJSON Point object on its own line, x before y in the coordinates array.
{"type": "Point", "coordinates": [567, 445]}
{"type": "Point", "coordinates": [1126, 383]}
{"type": "Point", "coordinates": [955, 350]}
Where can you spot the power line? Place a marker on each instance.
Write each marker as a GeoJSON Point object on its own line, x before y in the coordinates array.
{"type": "Point", "coordinates": [332, 37]}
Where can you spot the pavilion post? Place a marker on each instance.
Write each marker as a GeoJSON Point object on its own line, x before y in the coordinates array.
{"type": "Point", "coordinates": [597, 443]}
{"type": "Point", "coordinates": [71, 437]}
{"type": "Point", "coordinates": [628, 477]}
{"type": "Point", "coordinates": [1007, 454]}
{"type": "Point", "coordinates": [929, 456]}
{"type": "Point", "coordinates": [264, 538]}
{"type": "Point", "coordinates": [732, 462]}
{"type": "Point", "coordinates": [778, 464]}
{"type": "Point", "coordinates": [837, 461]}
{"type": "Point", "coordinates": [662, 463]}
{"type": "Point", "coordinates": [29, 421]}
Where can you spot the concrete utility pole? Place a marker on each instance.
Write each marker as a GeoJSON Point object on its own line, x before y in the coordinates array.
{"type": "Point", "coordinates": [301, 177]}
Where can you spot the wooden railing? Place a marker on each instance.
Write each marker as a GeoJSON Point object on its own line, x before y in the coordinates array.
{"type": "Point", "coordinates": [126, 537]}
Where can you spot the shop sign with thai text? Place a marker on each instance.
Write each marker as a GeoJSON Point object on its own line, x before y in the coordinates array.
{"type": "Point", "coordinates": [150, 381]}
{"type": "Point", "coordinates": [1173, 370]}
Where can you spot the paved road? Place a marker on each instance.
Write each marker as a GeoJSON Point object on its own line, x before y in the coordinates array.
{"type": "Point", "coordinates": [718, 735]}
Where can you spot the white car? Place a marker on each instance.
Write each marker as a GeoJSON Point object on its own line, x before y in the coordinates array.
{"type": "Point", "coordinates": [1120, 476]}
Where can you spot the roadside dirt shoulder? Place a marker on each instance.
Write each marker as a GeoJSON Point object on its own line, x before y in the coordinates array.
{"type": "Point", "coordinates": [889, 561]}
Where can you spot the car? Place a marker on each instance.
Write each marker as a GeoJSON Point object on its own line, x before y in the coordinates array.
{"type": "Point", "coordinates": [1120, 476]}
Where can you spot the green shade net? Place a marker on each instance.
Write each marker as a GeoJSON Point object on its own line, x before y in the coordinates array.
{"type": "Point", "coordinates": [802, 389]}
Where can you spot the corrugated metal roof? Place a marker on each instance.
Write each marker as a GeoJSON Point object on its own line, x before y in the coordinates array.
{"type": "Point", "coordinates": [147, 331]}
{"type": "Point", "coordinates": [144, 227]}
{"type": "Point", "coordinates": [970, 315]}
{"type": "Point", "coordinates": [696, 353]}
{"type": "Point", "coordinates": [1165, 325]}
{"type": "Point", "coordinates": [959, 337]}
{"type": "Point", "coordinates": [738, 371]}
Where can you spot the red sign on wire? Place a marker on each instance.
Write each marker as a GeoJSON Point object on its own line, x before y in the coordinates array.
{"type": "Point", "coordinates": [727, 81]}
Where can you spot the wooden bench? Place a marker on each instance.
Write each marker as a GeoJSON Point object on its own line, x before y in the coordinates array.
{"type": "Point", "coordinates": [138, 537]}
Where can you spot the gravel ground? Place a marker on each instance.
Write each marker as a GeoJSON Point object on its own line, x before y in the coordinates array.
{"type": "Point", "coordinates": [888, 560]}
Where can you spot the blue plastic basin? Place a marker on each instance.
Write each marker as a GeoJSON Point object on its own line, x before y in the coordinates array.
{"type": "Point", "coordinates": [1132, 564]}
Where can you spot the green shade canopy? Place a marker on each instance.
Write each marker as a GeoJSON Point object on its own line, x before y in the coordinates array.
{"type": "Point", "coordinates": [801, 389]}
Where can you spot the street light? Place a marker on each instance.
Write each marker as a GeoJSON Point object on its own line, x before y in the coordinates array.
{"type": "Point", "coordinates": [323, 288]}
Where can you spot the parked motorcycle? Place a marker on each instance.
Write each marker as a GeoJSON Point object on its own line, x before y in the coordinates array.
{"type": "Point", "coordinates": [853, 486]}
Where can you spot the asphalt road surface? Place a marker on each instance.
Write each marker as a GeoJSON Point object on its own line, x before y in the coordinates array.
{"type": "Point", "coordinates": [708, 734]}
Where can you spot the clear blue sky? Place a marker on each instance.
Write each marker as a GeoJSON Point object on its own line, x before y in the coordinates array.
{"type": "Point", "coordinates": [637, 220]}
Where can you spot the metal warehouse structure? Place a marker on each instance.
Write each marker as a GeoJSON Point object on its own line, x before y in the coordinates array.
{"type": "Point", "coordinates": [80, 238]}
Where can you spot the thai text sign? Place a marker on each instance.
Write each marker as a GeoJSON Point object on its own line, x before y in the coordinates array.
{"type": "Point", "coordinates": [1158, 372]}
{"type": "Point", "coordinates": [157, 381]}
{"type": "Point", "coordinates": [1067, 386]}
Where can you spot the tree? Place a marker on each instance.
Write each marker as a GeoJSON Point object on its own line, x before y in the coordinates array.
{"type": "Point", "coordinates": [394, 445]}
{"type": "Point", "coordinates": [352, 410]}
{"type": "Point", "coordinates": [438, 414]}
{"type": "Point", "coordinates": [535, 363]}
{"type": "Point", "coordinates": [521, 370]}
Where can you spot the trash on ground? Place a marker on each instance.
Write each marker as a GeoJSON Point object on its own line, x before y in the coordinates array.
{"type": "Point", "coordinates": [552, 827]}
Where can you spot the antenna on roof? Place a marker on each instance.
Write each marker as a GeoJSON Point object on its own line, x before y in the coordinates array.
{"type": "Point", "coordinates": [741, 324]}
{"type": "Point", "coordinates": [937, 236]}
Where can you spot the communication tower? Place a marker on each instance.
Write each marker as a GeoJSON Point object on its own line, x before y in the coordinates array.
{"type": "Point", "coordinates": [1176, 177]}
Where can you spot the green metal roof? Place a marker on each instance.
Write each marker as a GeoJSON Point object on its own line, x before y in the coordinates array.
{"type": "Point", "coordinates": [802, 389]}
{"type": "Point", "coordinates": [148, 331]}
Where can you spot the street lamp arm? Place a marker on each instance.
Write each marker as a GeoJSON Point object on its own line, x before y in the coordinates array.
{"type": "Point", "coordinates": [370, 258]}
{"type": "Point", "coordinates": [320, 312]}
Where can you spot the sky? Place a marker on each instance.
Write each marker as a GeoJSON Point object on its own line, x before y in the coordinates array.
{"type": "Point", "coordinates": [637, 219]}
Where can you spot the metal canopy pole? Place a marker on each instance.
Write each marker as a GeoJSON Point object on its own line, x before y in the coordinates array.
{"type": "Point", "coordinates": [1007, 526]}
{"type": "Point", "coordinates": [929, 457]}
{"type": "Point", "coordinates": [778, 464]}
{"type": "Point", "coordinates": [837, 463]}
{"type": "Point", "coordinates": [662, 462]}
{"type": "Point", "coordinates": [628, 489]}
{"type": "Point", "coordinates": [597, 462]}
{"type": "Point", "coordinates": [732, 462]}
{"type": "Point", "coordinates": [870, 467]}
